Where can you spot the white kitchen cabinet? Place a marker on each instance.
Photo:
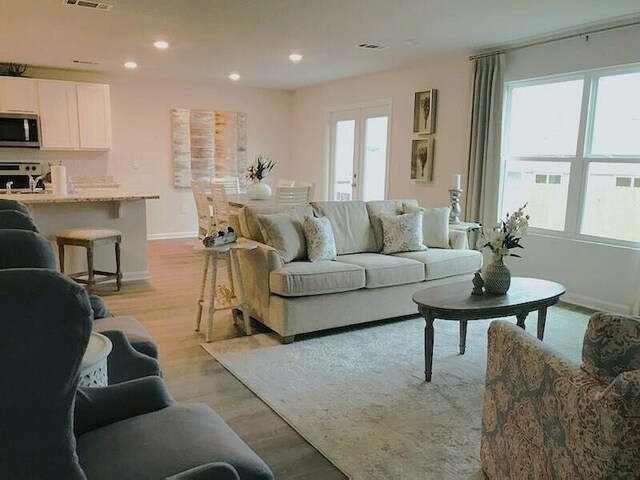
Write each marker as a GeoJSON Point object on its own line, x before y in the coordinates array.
{"type": "Point", "coordinates": [18, 95]}
{"type": "Point", "coordinates": [58, 115]}
{"type": "Point", "coordinates": [94, 116]}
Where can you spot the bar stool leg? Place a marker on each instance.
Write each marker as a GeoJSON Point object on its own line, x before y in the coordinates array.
{"type": "Point", "coordinates": [212, 296]}
{"type": "Point", "coordinates": [203, 288]}
{"type": "Point", "coordinates": [61, 256]}
{"type": "Point", "coordinates": [240, 293]}
{"type": "Point", "coordinates": [90, 275]}
{"type": "Point", "coordinates": [118, 271]}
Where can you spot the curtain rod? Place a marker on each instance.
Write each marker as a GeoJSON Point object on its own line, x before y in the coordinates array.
{"type": "Point", "coordinates": [585, 33]}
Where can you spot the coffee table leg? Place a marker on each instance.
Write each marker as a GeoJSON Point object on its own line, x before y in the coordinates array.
{"type": "Point", "coordinates": [521, 318]}
{"type": "Point", "coordinates": [428, 346]}
{"type": "Point", "coordinates": [542, 319]}
{"type": "Point", "coordinates": [463, 336]}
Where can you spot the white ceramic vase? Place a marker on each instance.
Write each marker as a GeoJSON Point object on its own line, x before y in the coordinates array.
{"type": "Point", "coordinates": [496, 276]}
{"type": "Point", "coordinates": [259, 190]}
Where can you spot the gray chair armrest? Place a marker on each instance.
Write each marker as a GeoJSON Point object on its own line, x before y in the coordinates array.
{"type": "Point", "coordinates": [97, 407]}
{"type": "Point", "coordinates": [99, 308]}
{"type": "Point", "coordinates": [125, 362]}
{"type": "Point", "coordinates": [209, 471]}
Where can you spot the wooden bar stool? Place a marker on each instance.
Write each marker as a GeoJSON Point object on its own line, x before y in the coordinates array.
{"type": "Point", "coordinates": [89, 239]}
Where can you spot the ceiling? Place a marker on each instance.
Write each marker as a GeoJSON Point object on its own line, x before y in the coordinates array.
{"type": "Point", "coordinates": [212, 38]}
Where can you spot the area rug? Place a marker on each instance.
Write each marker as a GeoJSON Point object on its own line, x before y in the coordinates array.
{"type": "Point", "coordinates": [360, 398]}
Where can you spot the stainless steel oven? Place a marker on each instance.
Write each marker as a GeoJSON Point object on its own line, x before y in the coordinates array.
{"type": "Point", "coordinates": [19, 130]}
{"type": "Point", "coordinates": [20, 177]}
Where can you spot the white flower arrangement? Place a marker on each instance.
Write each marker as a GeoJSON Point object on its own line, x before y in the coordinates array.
{"type": "Point", "coordinates": [507, 234]}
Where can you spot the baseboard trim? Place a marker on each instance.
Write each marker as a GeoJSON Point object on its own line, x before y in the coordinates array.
{"type": "Point", "coordinates": [171, 235]}
{"type": "Point", "coordinates": [132, 276]}
{"type": "Point", "coordinates": [596, 304]}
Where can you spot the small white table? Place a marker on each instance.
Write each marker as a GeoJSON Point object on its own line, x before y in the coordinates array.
{"type": "Point", "coordinates": [93, 368]}
{"type": "Point", "coordinates": [237, 299]}
{"type": "Point", "coordinates": [472, 229]}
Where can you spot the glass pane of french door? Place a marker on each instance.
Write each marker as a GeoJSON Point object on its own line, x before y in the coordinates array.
{"type": "Point", "coordinates": [344, 157]}
{"type": "Point", "coordinates": [374, 162]}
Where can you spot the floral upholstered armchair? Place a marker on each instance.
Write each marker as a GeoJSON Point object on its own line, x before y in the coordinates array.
{"type": "Point", "coordinates": [546, 418]}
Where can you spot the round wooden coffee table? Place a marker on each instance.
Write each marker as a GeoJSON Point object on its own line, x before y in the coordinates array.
{"type": "Point", "coordinates": [455, 302]}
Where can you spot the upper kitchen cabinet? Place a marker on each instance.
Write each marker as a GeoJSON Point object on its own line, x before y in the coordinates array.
{"type": "Point", "coordinates": [74, 116]}
{"type": "Point", "coordinates": [58, 115]}
{"type": "Point", "coordinates": [18, 95]}
{"type": "Point", "coordinates": [94, 116]}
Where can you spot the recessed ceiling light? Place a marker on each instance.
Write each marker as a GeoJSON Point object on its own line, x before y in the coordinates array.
{"type": "Point", "coordinates": [234, 76]}
{"type": "Point", "coordinates": [161, 44]}
{"type": "Point", "coordinates": [295, 57]}
{"type": "Point", "coordinates": [130, 65]}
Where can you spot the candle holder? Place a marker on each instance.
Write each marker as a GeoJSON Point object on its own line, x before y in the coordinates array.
{"type": "Point", "coordinates": [454, 216]}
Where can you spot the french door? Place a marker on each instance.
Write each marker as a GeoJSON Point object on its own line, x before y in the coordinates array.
{"type": "Point", "coordinates": [359, 153]}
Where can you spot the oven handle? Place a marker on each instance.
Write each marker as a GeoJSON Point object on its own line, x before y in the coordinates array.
{"type": "Point", "coordinates": [26, 130]}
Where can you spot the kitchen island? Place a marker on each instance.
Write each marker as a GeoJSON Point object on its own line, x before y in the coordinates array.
{"type": "Point", "coordinates": [124, 210]}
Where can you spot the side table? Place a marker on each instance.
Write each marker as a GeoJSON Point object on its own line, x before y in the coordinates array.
{"type": "Point", "coordinates": [228, 254]}
{"type": "Point", "coordinates": [93, 368]}
{"type": "Point", "coordinates": [472, 229]}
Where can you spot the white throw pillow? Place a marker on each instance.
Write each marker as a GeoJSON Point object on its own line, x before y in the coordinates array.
{"type": "Point", "coordinates": [321, 244]}
{"type": "Point", "coordinates": [435, 225]}
{"type": "Point", "coordinates": [402, 233]}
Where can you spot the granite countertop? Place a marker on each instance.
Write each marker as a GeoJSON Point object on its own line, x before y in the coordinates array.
{"type": "Point", "coordinates": [88, 195]}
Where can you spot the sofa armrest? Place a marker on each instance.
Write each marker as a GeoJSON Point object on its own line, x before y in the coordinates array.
{"type": "Point", "coordinates": [458, 240]}
{"type": "Point", "coordinates": [209, 471]}
{"type": "Point", "coordinates": [544, 417]}
{"type": "Point", "coordinates": [256, 265]}
{"type": "Point", "coordinates": [234, 222]}
{"type": "Point", "coordinates": [101, 406]}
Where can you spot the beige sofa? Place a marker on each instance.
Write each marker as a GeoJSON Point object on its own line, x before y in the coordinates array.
{"type": "Point", "coordinates": [361, 285]}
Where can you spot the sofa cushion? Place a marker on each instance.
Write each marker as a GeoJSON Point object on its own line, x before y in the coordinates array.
{"type": "Point", "coordinates": [350, 224]}
{"type": "Point", "coordinates": [297, 279]}
{"type": "Point", "coordinates": [248, 217]}
{"type": "Point", "coordinates": [377, 208]}
{"type": "Point", "coordinates": [386, 270]}
{"type": "Point", "coordinates": [435, 225]}
{"type": "Point", "coordinates": [321, 244]}
{"type": "Point", "coordinates": [283, 231]}
{"type": "Point", "coordinates": [611, 346]}
{"type": "Point", "coordinates": [442, 263]}
{"type": "Point", "coordinates": [402, 233]}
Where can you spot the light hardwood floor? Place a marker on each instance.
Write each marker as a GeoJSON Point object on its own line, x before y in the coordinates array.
{"type": "Point", "coordinates": [166, 305]}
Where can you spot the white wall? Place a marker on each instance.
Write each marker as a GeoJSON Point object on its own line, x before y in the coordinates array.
{"type": "Point", "coordinates": [453, 80]}
{"type": "Point", "coordinates": [141, 115]}
{"type": "Point", "coordinates": [596, 275]}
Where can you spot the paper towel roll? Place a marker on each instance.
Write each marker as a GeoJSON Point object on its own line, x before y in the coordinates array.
{"type": "Point", "coordinates": [59, 179]}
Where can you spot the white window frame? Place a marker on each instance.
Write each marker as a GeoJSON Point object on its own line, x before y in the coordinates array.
{"type": "Point", "coordinates": [579, 162]}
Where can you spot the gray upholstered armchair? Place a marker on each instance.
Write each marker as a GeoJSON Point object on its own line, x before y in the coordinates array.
{"type": "Point", "coordinates": [545, 417]}
{"type": "Point", "coordinates": [16, 220]}
{"type": "Point", "coordinates": [134, 352]}
{"type": "Point", "coordinates": [130, 430]}
{"type": "Point", "coordinates": [14, 205]}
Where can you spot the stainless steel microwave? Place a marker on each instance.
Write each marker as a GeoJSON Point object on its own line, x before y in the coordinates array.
{"type": "Point", "coordinates": [19, 130]}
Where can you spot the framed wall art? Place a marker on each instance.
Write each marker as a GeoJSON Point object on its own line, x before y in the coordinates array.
{"type": "Point", "coordinates": [424, 111]}
{"type": "Point", "coordinates": [207, 144]}
{"type": "Point", "coordinates": [422, 159]}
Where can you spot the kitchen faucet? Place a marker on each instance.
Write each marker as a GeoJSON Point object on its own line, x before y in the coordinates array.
{"type": "Point", "coordinates": [8, 186]}
{"type": "Point", "coordinates": [33, 183]}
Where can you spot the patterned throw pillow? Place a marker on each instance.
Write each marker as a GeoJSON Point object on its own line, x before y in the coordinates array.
{"type": "Point", "coordinates": [402, 233]}
{"type": "Point", "coordinates": [435, 225]}
{"type": "Point", "coordinates": [321, 244]}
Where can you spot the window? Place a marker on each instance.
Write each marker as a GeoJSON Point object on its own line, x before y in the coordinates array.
{"type": "Point", "coordinates": [571, 150]}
